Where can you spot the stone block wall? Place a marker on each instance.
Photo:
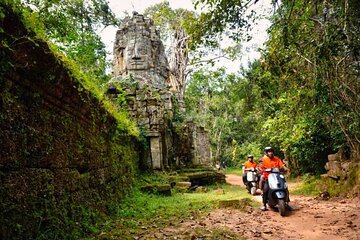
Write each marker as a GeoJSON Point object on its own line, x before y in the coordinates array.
{"type": "Point", "coordinates": [191, 145]}
{"type": "Point", "coordinates": [339, 166]}
{"type": "Point", "coordinates": [63, 161]}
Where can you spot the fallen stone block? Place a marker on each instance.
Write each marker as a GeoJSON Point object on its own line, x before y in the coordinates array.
{"type": "Point", "coordinates": [164, 189]}
{"type": "Point", "coordinates": [184, 185]}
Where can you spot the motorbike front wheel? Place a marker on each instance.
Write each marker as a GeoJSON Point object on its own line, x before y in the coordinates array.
{"type": "Point", "coordinates": [282, 207]}
{"type": "Point", "coordinates": [253, 190]}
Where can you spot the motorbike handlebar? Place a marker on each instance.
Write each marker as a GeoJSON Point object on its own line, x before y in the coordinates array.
{"type": "Point", "coordinates": [250, 169]}
{"type": "Point", "coordinates": [275, 170]}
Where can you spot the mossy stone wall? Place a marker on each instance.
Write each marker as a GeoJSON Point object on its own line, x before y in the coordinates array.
{"type": "Point", "coordinates": [63, 161]}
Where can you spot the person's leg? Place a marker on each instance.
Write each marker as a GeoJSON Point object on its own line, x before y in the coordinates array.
{"type": "Point", "coordinates": [288, 200]}
{"type": "Point", "coordinates": [265, 195]}
{"type": "Point", "coordinates": [261, 182]}
{"type": "Point", "coordinates": [287, 192]}
{"type": "Point", "coordinates": [244, 178]}
{"type": "Point", "coordinates": [258, 177]}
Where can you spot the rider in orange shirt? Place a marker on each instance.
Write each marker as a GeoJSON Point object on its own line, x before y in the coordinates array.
{"type": "Point", "coordinates": [250, 163]}
{"type": "Point", "coordinates": [268, 161]}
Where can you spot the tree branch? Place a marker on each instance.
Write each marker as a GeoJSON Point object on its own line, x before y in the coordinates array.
{"type": "Point", "coordinates": [211, 59]}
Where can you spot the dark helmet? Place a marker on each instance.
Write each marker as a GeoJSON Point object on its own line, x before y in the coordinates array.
{"type": "Point", "coordinates": [268, 149]}
{"type": "Point", "coordinates": [251, 156]}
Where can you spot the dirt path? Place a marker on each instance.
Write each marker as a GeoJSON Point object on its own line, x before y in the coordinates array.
{"type": "Point", "coordinates": [311, 219]}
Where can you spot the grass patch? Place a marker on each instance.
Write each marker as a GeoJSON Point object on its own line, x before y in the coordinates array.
{"type": "Point", "coordinates": [236, 171]}
{"type": "Point", "coordinates": [306, 186]}
{"type": "Point", "coordinates": [143, 213]}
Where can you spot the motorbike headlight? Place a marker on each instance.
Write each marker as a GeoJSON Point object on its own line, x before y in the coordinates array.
{"type": "Point", "coordinates": [282, 176]}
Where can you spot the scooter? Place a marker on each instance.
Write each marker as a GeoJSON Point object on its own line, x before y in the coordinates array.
{"type": "Point", "coordinates": [278, 193]}
{"type": "Point", "coordinates": [252, 180]}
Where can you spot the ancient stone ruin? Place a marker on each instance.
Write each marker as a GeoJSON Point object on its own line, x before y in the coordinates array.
{"type": "Point", "coordinates": [141, 67]}
{"type": "Point", "coordinates": [339, 166]}
{"type": "Point", "coordinates": [57, 163]}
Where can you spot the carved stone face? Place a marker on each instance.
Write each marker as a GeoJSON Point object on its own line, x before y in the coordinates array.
{"type": "Point", "coordinates": [138, 53]}
{"type": "Point", "coordinates": [138, 50]}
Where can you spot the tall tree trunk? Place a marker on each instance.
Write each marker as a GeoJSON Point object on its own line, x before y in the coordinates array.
{"type": "Point", "coordinates": [178, 62]}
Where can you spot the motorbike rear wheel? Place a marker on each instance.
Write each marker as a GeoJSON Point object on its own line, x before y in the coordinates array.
{"type": "Point", "coordinates": [282, 207]}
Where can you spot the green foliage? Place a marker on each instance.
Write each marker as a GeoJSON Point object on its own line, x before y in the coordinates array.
{"type": "Point", "coordinates": [306, 84]}
{"type": "Point", "coordinates": [224, 16]}
{"type": "Point", "coordinates": [301, 97]}
{"type": "Point", "coordinates": [189, 38]}
{"type": "Point", "coordinates": [303, 105]}
{"type": "Point", "coordinates": [227, 113]}
{"type": "Point", "coordinates": [73, 27]}
{"type": "Point", "coordinates": [169, 20]}
{"type": "Point", "coordinates": [248, 148]}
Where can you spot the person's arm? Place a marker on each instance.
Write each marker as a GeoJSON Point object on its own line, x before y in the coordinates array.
{"type": "Point", "coordinates": [261, 166]}
{"type": "Point", "coordinates": [282, 165]}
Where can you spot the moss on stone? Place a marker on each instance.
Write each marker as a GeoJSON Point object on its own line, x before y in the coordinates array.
{"type": "Point", "coordinates": [67, 156]}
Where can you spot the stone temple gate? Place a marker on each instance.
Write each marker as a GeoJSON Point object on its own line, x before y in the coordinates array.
{"type": "Point", "coordinates": [141, 68]}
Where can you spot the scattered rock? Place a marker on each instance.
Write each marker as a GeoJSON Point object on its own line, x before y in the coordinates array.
{"type": "Point", "coordinates": [334, 222]}
{"type": "Point", "coordinates": [250, 210]}
{"type": "Point", "coordinates": [257, 234]}
{"type": "Point", "coordinates": [184, 185]}
{"type": "Point", "coordinates": [325, 195]}
{"type": "Point", "coordinates": [201, 189]}
{"type": "Point", "coordinates": [267, 231]}
{"type": "Point", "coordinates": [202, 224]}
